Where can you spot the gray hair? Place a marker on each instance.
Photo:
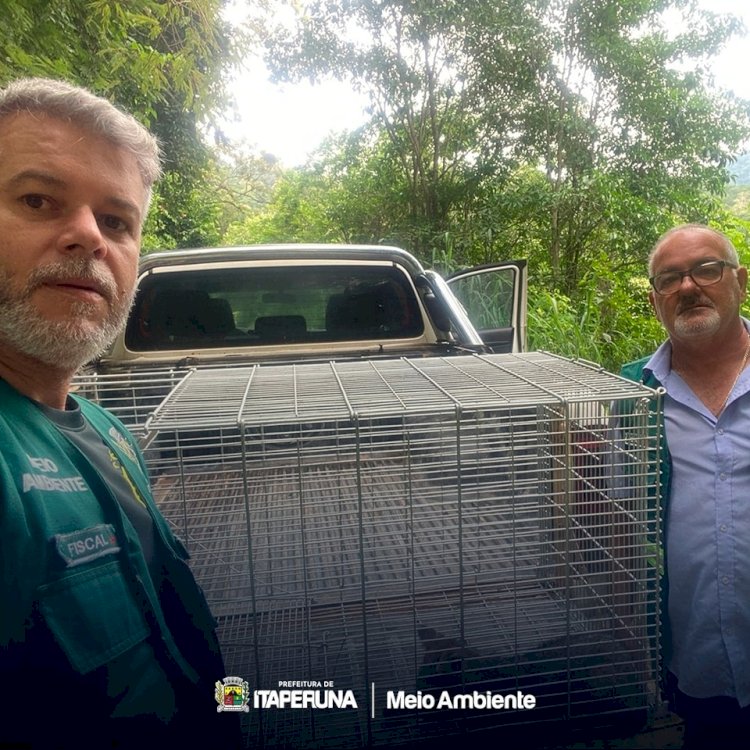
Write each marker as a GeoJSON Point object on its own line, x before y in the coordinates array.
{"type": "Point", "coordinates": [80, 107]}
{"type": "Point", "coordinates": [726, 244]}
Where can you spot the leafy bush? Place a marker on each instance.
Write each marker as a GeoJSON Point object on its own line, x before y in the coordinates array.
{"type": "Point", "coordinates": [610, 324]}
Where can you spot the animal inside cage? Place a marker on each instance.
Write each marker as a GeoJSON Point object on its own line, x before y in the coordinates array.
{"type": "Point", "coordinates": [393, 534]}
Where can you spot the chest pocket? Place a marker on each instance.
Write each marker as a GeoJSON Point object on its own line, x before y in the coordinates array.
{"type": "Point", "coordinates": [93, 615]}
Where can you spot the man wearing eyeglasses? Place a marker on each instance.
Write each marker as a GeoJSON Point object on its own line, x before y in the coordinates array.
{"type": "Point", "coordinates": [698, 286]}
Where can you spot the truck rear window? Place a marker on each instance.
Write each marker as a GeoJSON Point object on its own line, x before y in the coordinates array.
{"type": "Point", "coordinates": [271, 305]}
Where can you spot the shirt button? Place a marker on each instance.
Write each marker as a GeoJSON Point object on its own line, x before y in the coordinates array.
{"type": "Point", "coordinates": [720, 431]}
{"type": "Point", "coordinates": [722, 476]}
{"type": "Point", "coordinates": [723, 527]}
{"type": "Point", "coordinates": [725, 580]}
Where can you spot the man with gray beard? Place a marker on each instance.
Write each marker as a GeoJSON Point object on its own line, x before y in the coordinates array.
{"type": "Point", "coordinates": [105, 638]}
{"type": "Point", "coordinates": [698, 287]}
{"type": "Point", "coordinates": [64, 342]}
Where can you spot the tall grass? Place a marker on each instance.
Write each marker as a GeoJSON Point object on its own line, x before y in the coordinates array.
{"type": "Point", "coordinates": [608, 329]}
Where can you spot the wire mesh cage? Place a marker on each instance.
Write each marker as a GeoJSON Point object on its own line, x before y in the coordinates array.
{"type": "Point", "coordinates": [131, 396]}
{"type": "Point", "coordinates": [389, 533]}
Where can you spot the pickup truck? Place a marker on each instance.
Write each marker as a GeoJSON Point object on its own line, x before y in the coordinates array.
{"type": "Point", "coordinates": [297, 303]}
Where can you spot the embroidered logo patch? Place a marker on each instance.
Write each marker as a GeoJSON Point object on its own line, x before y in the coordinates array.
{"type": "Point", "coordinates": [122, 443]}
{"type": "Point", "coordinates": [79, 547]}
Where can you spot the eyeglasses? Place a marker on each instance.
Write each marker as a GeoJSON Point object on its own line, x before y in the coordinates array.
{"type": "Point", "coordinates": [703, 274]}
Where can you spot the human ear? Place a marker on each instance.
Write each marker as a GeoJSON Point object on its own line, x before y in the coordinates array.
{"type": "Point", "coordinates": [742, 281]}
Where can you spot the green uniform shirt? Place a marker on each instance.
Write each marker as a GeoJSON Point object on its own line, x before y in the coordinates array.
{"type": "Point", "coordinates": [86, 641]}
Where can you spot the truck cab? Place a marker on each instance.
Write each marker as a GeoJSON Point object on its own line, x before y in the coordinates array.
{"type": "Point", "coordinates": [303, 302]}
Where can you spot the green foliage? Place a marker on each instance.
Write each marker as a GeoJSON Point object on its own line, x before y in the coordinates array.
{"type": "Point", "coordinates": [181, 216]}
{"type": "Point", "coordinates": [737, 200]}
{"type": "Point", "coordinates": [163, 61]}
{"type": "Point", "coordinates": [142, 53]}
{"type": "Point", "coordinates": [204, 207]}
{"type": "Point", "coordinates": [297, 212]}
{"type": "Point", "coordinates": [366, 192]}
{"type": "Point", "coordinates": [413, 67]}
{"type": "Point", "coordinates": [611, 323]}
{"type": "Point", "coordinates": [551, 131]}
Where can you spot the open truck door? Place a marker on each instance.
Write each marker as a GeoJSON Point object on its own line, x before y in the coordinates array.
{"type": "Point", "coordinates": [494, 296]}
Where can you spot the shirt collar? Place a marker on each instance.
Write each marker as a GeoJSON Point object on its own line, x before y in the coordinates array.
{"type": "Point", "coordinates": [660, 363]}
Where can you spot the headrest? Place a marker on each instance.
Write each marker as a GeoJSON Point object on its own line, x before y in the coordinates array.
{"type": "Point", "coordinates": [281, 328]}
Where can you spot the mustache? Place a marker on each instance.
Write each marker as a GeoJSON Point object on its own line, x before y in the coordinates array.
{"type": "Point", "coordinates": [689, 303]}
{"type": "Point", "coordinates": [81, 269]}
